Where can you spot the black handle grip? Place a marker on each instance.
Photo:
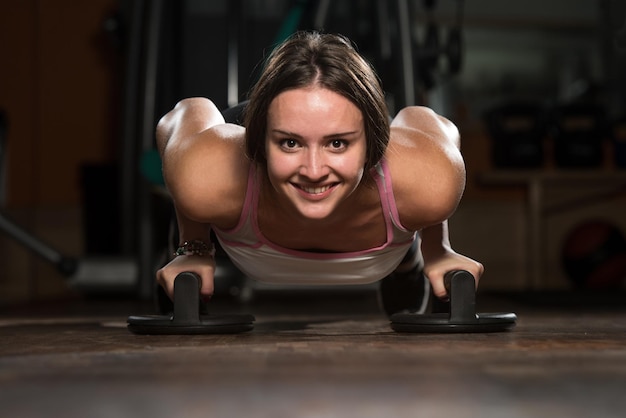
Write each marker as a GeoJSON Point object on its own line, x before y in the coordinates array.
{"type": "Point", "coordinates": [186, 297]}
{"type": "Point", "coordinates": [462, 297]}
{"type": "Point", "coordinates": [461, 287]}
{"type": "Point", "coordinates": [454, 275]}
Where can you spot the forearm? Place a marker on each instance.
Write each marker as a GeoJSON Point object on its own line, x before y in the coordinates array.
{"type": "Point", "coordinates": [190, 230]}
{"type": "Point", "coordinates": [195, 257]}
{"type": "Point", "coordinates": [435, 241]}
{"type": "Point", "coordinates": [440, 258]}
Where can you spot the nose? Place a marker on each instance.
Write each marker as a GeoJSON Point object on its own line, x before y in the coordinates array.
{"type": "Point", "coordinates": [314, 166]}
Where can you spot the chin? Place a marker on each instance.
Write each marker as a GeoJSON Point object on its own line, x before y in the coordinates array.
{"type": "Point", "coordinates": [315, 214]}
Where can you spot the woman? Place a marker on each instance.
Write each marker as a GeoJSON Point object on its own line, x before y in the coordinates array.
{"type": "Point", "coordinates": [317, 186]}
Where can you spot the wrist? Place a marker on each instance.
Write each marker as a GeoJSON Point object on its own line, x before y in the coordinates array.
{"type": "Point", "coordinates": [195, 247]}
{"type": "Point", "coordinates": [435, 251]}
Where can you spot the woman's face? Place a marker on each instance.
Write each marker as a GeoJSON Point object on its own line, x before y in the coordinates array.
{"type": "Point", "coordinates": [315, 149]}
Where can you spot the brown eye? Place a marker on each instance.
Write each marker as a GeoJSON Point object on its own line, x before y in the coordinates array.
{"type": "Point", "coordinates": [289, 143]}
{"type": "Point", "coordinates": [338, 144]}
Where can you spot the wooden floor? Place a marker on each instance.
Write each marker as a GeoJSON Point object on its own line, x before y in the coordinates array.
{"type": "Point", "coordinates": [317, 356]}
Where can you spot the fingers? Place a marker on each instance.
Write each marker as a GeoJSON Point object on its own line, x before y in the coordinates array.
{"type": "Point", "coordinates": [167, 275]}
{"type": "Point", "coordinates": [435, 277]}
{"type": "Point", "coordinates": [206, 285]}
{"type": "Point", "coordinates": [480, 269]}
{"type": "Point", "coordinates": [167, 285]}
{"type": "Point", "coordinates": [438, 288]}
{"type": "Point", "coordinates": [206, 289]}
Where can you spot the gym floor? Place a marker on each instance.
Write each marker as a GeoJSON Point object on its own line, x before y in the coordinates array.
{"type": "Point", "coordinates": [312, 355]}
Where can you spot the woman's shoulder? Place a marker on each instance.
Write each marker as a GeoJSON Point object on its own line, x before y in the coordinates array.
{"type": "Point", "coordinates": [426, 166]}
{"type": "Point", "coordinates": [211, 175]}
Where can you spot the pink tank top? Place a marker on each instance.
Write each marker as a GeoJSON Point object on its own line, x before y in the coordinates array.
{"type": "Point", "coordinates": [262, 260]}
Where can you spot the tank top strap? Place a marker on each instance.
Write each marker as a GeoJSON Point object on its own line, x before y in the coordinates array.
{"type": "Point", "coordinates": [385, 188]}
{"type": "Point", "coordinates": [249, 205]}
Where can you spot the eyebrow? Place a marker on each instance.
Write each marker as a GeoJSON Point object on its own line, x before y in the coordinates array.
{"type": "Point", "coordinates": [334, 135]}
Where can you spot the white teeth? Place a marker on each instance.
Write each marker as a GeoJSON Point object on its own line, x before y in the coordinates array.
{"type": "Point", "coordinates": [315, 190]}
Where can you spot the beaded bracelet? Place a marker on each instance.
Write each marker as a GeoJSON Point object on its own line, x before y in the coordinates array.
{"type": "Point", "coordinates": [195, 247]}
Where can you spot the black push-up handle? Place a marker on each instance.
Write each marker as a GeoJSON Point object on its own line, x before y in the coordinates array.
{"type": "Point", "coordinates": [186, 299]}
{"type": "Point", "coordinates": [456, 316]}
{"type": "Point", "coordinates": [461, 284]}
{"type": "Point", "coordinates": [187, 317]}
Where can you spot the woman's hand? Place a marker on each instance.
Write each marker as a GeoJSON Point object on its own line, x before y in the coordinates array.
{"type": "Point", "coordinates": [436, 267]}
{"type": "Point", "coordinates": [201, 265]}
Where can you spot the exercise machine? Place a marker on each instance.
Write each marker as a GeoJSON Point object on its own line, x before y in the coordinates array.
{"type": "Point", "coordinates": [104, 273]}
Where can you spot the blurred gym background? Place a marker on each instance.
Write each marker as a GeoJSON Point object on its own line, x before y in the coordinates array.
{"type": "Point", "coordinates": [535, 87]}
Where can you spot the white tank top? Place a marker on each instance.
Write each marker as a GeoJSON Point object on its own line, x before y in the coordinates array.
{"type": "Point", "coordinates": [262, 260]}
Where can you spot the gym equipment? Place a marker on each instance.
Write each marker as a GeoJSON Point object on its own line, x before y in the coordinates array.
{"type": "Point", "coordinates": [102, 273]}
{"type": "Point", "coordinates": [619, 142]}
{"type": "Point", "coordinates": [461, 316]}
{"type": "Point", "coordinates": [454, 47]}
{"type": "Point", "coordinates": [428, 54]}
{"type": "Point", "coordinates": [517, 131]}
{"type": "Point", "coordinates": [594, 255]}
{"type": "Point", "coordinates": [189, 315]}
{"type": "Point", "coordinates": [580, 131]}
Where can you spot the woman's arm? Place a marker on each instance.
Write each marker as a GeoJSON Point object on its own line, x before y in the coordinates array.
{"type": "Point", "coordinates": [430, 181]}
{"type": "Point", "coordinates": [202, 160]}
{"type": "Point", "coordinates": [427, 168]}
{"type": "Point", "coordinates": [440, 258]}
{"type": "Point", "coordinates": [188, 118]}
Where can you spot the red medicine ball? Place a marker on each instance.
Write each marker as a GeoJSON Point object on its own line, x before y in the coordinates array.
{"type": "Point", "coordinates": [594, 255]}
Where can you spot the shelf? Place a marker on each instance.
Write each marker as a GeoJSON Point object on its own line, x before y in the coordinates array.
{"type": "Point", "coordinates": [550, 192]}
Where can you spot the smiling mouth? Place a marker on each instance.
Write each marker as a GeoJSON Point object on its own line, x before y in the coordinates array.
{"type": "Point", "coordinates": [316, 189]}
